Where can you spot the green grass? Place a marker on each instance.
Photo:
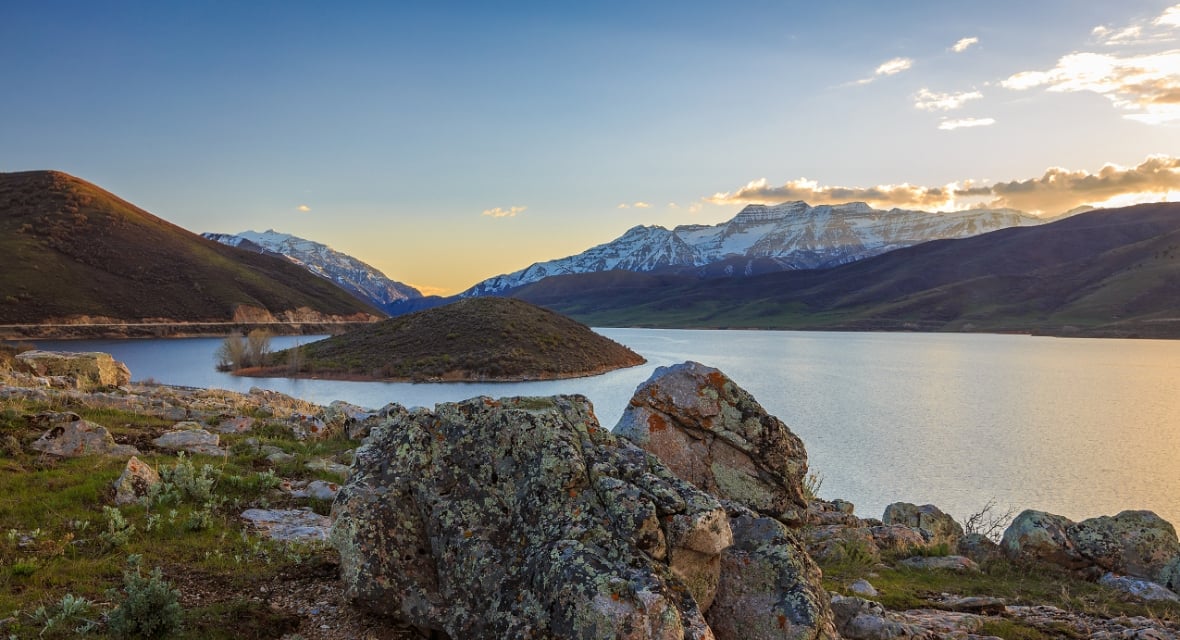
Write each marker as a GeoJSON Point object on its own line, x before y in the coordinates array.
{"type": "Point", "coordinates": [52, 527]}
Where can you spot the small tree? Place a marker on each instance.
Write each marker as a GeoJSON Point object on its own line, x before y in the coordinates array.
{"type": "Point", "coordinates": [232, 353]}
{"type": "Point", "coordinates": [257, 347]}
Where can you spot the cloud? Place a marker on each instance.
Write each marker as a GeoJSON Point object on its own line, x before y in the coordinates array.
{"type": "Point", "coordinates": [637, 205]}
{"type": "Point", "coordinates": [303, 207]}
{"type": "Point", "coordinates": [890, 67]}
{"type": "Point", "coordinates": [894, 66]}
{"type": "Point", "coordinates": [965, 123]}
{"type": "Point", "coordinates": [928, 100]}
{"type": "Point", "coordinates": [1056, 191]}
{"type": "Point", "coordinates": [1147, 86]}
{"type": "Point", "coordinates": [430, 290]}
{"type": "Point", "coordinates": [1159, 29]}
{"type": "Point", "coordinates": [500, 212]}
{"type": "Point", "coordinates": [964, 43]}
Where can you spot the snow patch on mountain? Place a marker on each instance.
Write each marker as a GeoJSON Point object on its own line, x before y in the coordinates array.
{"type": "Point", "coordinates": [791, 235]}
{"type": "Point", "coordinates": [362, 280]}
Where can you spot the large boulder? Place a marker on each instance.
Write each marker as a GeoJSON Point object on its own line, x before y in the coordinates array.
{"type": "Point", "coordinates": [80, 438]}
{"type": "Point", "coordinates": [524, 518]}
{"type": "Point", "coordinates": [770, 588]}
{"type": "Point", "coordinates": [1135, 543]}
{"type": "Point", "coordinates": [712, 433]}
{"type": "Point", "coordinates": [936, 526]}
{"type": "Point", "coordinates": [1037, 535]}
{"type": "Point", "coordinates": [90, 370]}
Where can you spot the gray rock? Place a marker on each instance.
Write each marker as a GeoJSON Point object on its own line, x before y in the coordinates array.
{"type": "Point", "coordinates": [524, 518]}
{"type": "Point", "coordinates": [1142, 589]}
{"type": "Point", "coordinates": [190, 437]}
{"type": "Point", "coordinates": [302, 525]}
{"type": "Point", "coordinates": [770, 587]}
{"type": "Point", "coordinates": [712, 433]}
{"type": "Point", "coordinates": [937, 526]}
{"type": "Point", "coordinates": [946, 563]}
{"type": "Point", "coordinates": [329, 466]}
{"type": "Point", "coordinates": [81, 438]}
{"type": "Point", "coordinates": [235, 424]}
{"type": "Point", "coordinates": [979, 605]}
{"type": "Point", "coordinates": [91, 370]}
{"type": "Point", "coordinates": [1036, 535]}
{"type": "Point", "coordinates": [864, 588]}
{"type": "Point", "coordinates": [898, 537]}
{"type": "Point", "coordinates": [1135, 543]}
{"type": "Point", "coordinates": [979, 548]}
{"type": "Point", "coordinates": [135, 481]}
{"type": "Point", "coordinates": [317, 489]}
{"type": "Point", "coordinates": [860, 619]}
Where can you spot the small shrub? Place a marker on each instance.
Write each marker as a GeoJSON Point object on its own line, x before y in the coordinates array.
{"type": "Point", "coordinates": [119, 531]}
{"type": "Point", "coordinates": [183, 481]}
{"type": "Point", "coordinates": [811, 486]}
{"type": "Point", "coordinates": [150, 608]}
{"type": "Point", "coordinates": [69, 615]}
{"type": "Point", "coordinates": [989, 521]}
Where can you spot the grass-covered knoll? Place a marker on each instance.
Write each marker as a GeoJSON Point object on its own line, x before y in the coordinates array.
{"type": "Point", "coordinates": [66, 549]}
{"type": "Point", "coordinates": [70, 249]}
{"type": "Point", "coordinates": [472, 339]}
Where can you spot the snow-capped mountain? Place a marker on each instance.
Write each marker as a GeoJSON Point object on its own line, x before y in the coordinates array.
{"type": "Point", "coordinates": [360, 279]}
{"type": "Point", "coordinates": [761, 238]}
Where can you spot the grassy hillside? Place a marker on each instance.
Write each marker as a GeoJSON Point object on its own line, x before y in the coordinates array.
{"type": "Point", "coordinates": [1111, 272]}
{"type": "Point", "coordinates": [472, 339]}
{"type": "Point", "coordinates": [69, 249]}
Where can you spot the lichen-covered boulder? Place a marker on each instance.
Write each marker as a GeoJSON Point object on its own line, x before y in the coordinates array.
{"type": "Point", "coordinates": [712, 433]}
{"type": "Point", "coordinates": [81, 438]}
{"type": "Point", "coordinates": [770, 588]}
{"type": "Point", "coordinates": [1135, 543]}
{"type": "Point", "coordinates": [135, 482]}
{"type": "Point", "coordinates": [1037, 535]}
{"type": "Point", "coordinates": [524, 518]}
{"type": "Point", "coordinates": [190, 437]}
{"type": "Point", "coordinates": [979, 548]}
{"type": "Point", "coordinates": [90, 370]}
{"type": "Point", "coordinates": [940, 527]}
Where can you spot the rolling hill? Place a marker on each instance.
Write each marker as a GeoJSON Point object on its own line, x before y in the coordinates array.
{"type": "Point", "coordinates": [72, 252]}
{"type": "Point", "coordinates": [473, 339]}
{"type": "Point", "coordinates": [1113, 272]}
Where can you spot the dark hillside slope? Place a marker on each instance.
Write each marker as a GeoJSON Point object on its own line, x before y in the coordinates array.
{"type": "Point", "coordinates": [1107, 272]}
{"type": "Point", "coordinates": [484, 338]}
{"type": "Point", "coordinates": [69, 249]}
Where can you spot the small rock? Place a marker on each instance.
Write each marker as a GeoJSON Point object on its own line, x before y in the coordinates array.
{"type": "Point", "coordinates": [280, 457]}
{"type": "Point", "coordinates": [237, 424]}
{"type": "Point", "coordinates": [81, 438]}
{"type": "Point", "coordinates": [975, 604]}
{"type": "Point", "coordinates": [862, 587]}
{"type": "Point", "coordinates": [135, 482]}
{"type": "Point", "coordinates": [948, 563]}
{"type": "Point", "coordinates": [190, 437]}
{"type": "Point", "coordinates": [317, 489]}
{"type": "Point", "coordinates": [321, 464]}
{"type": "Point", "coordinates": [938, 526]}
{"type": "Point", "coordinates": [289, 524]}
{"type": "Point", "coordinates": [1142, 589]}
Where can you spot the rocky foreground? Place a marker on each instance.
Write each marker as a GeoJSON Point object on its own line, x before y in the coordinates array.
{"type": "Point", "coordinates": [523, 517]}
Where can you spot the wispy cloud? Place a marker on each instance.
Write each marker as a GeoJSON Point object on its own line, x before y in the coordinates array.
{"type": "Point", "coordinates": [1146, 86]}
{"type": "Point", "coordinates": [303, 207]}
{"type": "Point", "coordinates": [1056, 191]}
{"type": "Point", "coordinates": [965, 123]}
{"type": "Point", "coordinates": [928, 100]}
{"type": "Point", "coordinates": [430, 290]}
{"type": "Point", "coordinates": [890, 67]}
{"type": "Point", "coordinates": [1160, 29]}
{"type": "Point", "coordinates": [964, 43]}
{"type": "Point", "coordinates": [500, 212]}
{"type": "Point", "coordinates": [637, 205]}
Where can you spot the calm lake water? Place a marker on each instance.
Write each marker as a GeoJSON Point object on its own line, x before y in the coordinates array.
{"type": "Point", "coordinates": [1078, 427]}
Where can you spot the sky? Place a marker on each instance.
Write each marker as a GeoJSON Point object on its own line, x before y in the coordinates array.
{"type": "Point", "coordinates": [447, 142]}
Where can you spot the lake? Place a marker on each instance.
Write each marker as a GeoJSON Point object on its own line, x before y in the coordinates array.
{"type": "Point", "coordinates": [1077, 427]}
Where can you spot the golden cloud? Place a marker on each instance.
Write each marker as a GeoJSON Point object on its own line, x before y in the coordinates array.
{"type": "Point", "coordinates": [928, 100]}
{"type": "Point", "coordinates": [500, 212]}
{"type": "Point", "coordinates": [965, 123]}
{"type": "Point", "coordinates": [1146, 86]}
{"type": "Point", "coordinates": [963, 44]}
{"type": "Point", "coordinates": [303, 207]}
{"type": "Point", "coordinates": [1056, 191]}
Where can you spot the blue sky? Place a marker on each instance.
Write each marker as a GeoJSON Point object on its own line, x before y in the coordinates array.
{"type": "Point", "coordinates": [448, 142]}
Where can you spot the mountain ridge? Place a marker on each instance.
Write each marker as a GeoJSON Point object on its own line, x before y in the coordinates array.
{"type": "Point", "coordinates": [765, 238]}
{"type": "Point", "coordinates": [352, 274]}
{"type": "Point", "coordinates": [1110, 272]}
{"type": "Point", "coordinates": [72, 252]}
